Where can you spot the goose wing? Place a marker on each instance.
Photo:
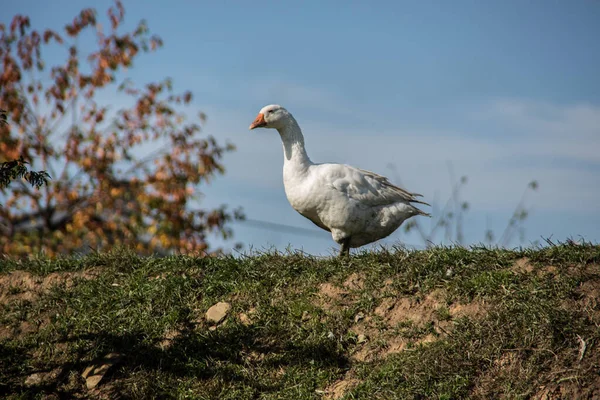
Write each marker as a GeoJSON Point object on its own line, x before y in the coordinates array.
{"type": "Point", "coordinates": [369, 188]}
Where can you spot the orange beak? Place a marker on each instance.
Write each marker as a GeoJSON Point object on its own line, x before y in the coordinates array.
{"type": "Point", "coordinates": [258, 122]}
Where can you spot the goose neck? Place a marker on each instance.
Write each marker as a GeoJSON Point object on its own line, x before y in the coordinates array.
{"type": "Point", "coordinates": [293, 144]}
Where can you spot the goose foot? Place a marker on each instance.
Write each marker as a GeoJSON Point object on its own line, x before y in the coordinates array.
{"type": "Point", "coordinates": [345, 248]}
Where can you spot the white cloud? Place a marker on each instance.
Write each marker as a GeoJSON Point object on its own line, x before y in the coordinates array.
{"type": "Point", "coordinates": [548, 129]}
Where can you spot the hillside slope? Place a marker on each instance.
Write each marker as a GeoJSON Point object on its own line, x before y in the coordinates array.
{"type": "Point", "coordinates": [444, 323]}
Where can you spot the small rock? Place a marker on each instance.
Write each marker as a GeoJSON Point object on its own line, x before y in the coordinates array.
{"type": "Point", "coordinates": [94, 373]}
{"type": "Point", "coordinates": [330, 335]}
{"type": "Point", "coordinates": [362, 338]}
{"type": "Point", "coordinates": [305, 316]}
{"type": "Point", "coordinates": [34, 379]}
{"type": "Point", "coordinates": [218, 312]}
{"type": "Point", "coordinates": [212, 328]}
{"type": "Point", "coordinates": [359, 316]}
{"type": "Point", "coordinates": [42, 378]}
{"type": "Point", "coordinates": [93, 381]}
{"type": "Point", "coordinates": [245, 319]}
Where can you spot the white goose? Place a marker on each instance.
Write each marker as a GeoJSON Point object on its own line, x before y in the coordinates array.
{"type": "Point", "coordinates": [357, 206]}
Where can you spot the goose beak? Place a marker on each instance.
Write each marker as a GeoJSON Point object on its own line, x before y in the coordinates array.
{"type": "Point", "coordinates": [258, 122]}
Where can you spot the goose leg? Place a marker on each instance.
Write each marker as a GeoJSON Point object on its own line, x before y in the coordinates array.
{"type": "Point", "coordinates": [345, 248]}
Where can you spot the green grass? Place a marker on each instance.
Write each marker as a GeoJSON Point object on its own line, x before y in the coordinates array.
{"type": "Point", "coordinates": [528, 336]}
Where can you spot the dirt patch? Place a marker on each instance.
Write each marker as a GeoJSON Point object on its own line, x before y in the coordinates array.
{"type": "Point", "coordinates": [332, 291]}
{"type": "Point", "coordinates": [385, 306]}
{"type": "Point", "coordinates": [568, 390]}
{"type": "Point", "coordinates": [23, 285]}
{"type": "Point", "coordinates": [417, 310]}
{"type": "Point", "coordinates": [398, 322]}
{"type": "Point", "coordinates": [522, 266]}
{"type": "Point", "coordinates": [339, 388]}
{"type": "Point", "coordinates": [590, 293]}
{"type": "Point", "coordinates": [471, 310]}
{"type": "Point", "coordinates": [398, 344]}
{"type": "Point", "coordinates": [355, 281]}
{"type": "Point", "coordinates": [592, 269]}
{"type": "Point", "coordinates": [588, 300]}
{"type": "Point", "coordinates": [331, 297]}
{"type": "Point", "coordinates": [392, 344]}
{"type": "Point", "coordinates": [23, 328]}
{"type": "Point", "coordinates": [412, 315]}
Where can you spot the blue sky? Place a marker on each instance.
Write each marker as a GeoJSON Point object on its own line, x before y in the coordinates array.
{"type": "Point", "coordinates": [507, 91]}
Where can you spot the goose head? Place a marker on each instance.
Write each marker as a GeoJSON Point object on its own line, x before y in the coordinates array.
{"type": "Point", "coordinates": [272, 116]}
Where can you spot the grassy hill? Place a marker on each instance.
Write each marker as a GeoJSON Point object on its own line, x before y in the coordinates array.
{"type": "Point", "coordinates": [444, 323]}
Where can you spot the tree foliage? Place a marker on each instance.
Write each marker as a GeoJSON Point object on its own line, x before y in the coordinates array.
{"type": "Point", "coordinates": [124, 175]}
{"type": "Point", "coordinates": [16, 169]}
